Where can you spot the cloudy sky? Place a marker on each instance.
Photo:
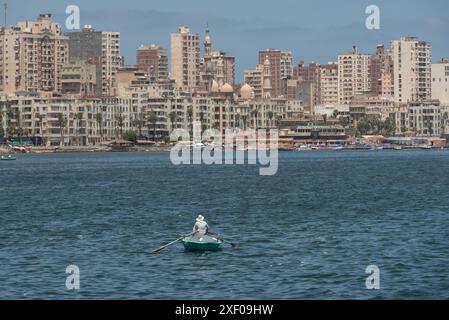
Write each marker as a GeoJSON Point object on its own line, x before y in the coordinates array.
{"type": "Point", "coordinates": [314, 30]}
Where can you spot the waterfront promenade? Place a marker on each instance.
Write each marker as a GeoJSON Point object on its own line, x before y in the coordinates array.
{"type": "Point", "coordinates": [80, 149]}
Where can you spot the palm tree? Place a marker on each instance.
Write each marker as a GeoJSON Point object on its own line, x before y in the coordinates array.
{"type": "Point", "coordinates": [99, 120]}
{"type": "Point", "coordinates": [19, 130]}
{"type": "Point", "coordinates": [20, 133]}
{"type": "Point", "coordinates": [278, 121]}
{"type": "Point", "coordinates": [139, 123]}
{"type": "Point", "coordinates": [2, 130]}
{"type": "Point", "coordinates": [10, 130]}
{"type": "Point", "coordinates": [245, 121]}
{"type": "Point", "coordinates": [237, 120]}
{"type": "Point", "coordinates": [374, 126]}
{"type": "Point", "coordinates": [190, 115]}
{"type": "Point", "coordinates": [429, 127]}
{"type": "Point", "coordinates": [444, 122]}
{"type": "Point", "coordinates": [62, 123]}
{"type": "Point", "coordinates": [255, 114]}
{"type": "Point", "coordinates": [201, 120]}
{"type": "Point", "coordinates": [17, 117]}
{"type": "Point", "coordinates": [362, 126]}
{"type": "Point", "coordinates": [270, 116]}
{"type": "Point", "coordinates": [335, 114]}
{"type": "Point", "coordinates": [79, 121]}
{"type": "Point", "coordinates": [120, 120]}
{"type": "Point", "coordinates": [173, 119]}
{"type": "Point", "coordinates": [153, 123]}
{"type": "Point", "coordinates": [389, 127]}
{"type": "Point", "coordinates": [325, 119]}
{"type": "Point", "coordinates": [40, 116]}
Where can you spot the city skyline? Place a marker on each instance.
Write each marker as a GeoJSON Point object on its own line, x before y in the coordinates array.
{"type": "Point", "coordinates": [340, 25]}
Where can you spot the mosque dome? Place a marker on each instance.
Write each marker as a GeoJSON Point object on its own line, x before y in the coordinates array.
{"type": "Point", "coordinates": [246, 91]}
{"type": "Point", "coordinates": [227, 88]}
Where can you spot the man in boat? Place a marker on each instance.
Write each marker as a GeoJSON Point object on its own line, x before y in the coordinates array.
{"type": "Point", "coordinates": [201, 228]}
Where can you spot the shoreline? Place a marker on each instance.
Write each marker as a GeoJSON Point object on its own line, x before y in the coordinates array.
{"type": "Point", "coordinates": [89, 149]}
{"type": "Point", "coordinates": [166, 149]}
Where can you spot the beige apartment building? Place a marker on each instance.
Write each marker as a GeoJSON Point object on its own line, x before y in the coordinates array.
{"type": "Point", "coordinates": [412, 70]}
{"type": "Point", "coordinates": [440, 82]}
{"type": "Point", "coordinates": [387, 84]}
{"type": "Point", "coordinates": [32, 55]}
{"type": "Point", "coordinates": [353, 75]}
{"type": "Point", "coordinates": [329, 84]}
{"type": "Point", "coordinates": [425, 119]}
{"type": "Point", "coordinates": [72, 120]}
{"type": "Point", "coordinates": [185, 58]}
{"type": "Point", "coordinates": [59, 121]}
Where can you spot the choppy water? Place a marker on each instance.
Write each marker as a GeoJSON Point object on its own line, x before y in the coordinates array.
{"type": "Point", "coordinates": [309, 232]}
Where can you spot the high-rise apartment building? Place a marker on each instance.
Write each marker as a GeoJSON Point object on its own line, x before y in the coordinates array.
{"type": "Point", "coordinates": [328, 94]}
{"type": "Point", "coordinates": [153, 60]}
{"type": "Point", "coordinates": [32, 56]}
{"type": "Point", "coordinates": [281, 67]}
{"type": "Point", "coordinates": [412, 70]}
{"type": "Point", "coordinates": [103, 50]}
{"type": "Point", "coordinates": [353, 75]}
{"type": "Point", "coordinates": [440, 82]}
{"type": "Point", "coordinates": [286, 65]}
{"type": "Point", "coordinates": [185, 58]}
{"type": "Point", "coordinates": [254, 79]}
{"type": "Point", "coordinates": [381, 72]}
{"type": "Point", "coordinates": [10, 73]}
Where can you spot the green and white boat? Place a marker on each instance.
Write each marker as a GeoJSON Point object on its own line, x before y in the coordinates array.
{"type": "Point", "coordinates": [8, 158]}
{"type": "Point", "coordinates": [205, 243]}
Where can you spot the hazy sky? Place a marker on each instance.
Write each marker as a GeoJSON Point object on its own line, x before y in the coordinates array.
{"type": "Point", "coordinates": [315, 30]}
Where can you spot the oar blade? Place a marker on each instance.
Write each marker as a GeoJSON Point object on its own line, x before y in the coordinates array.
{"type": "Point", "coordinates": [157, 250]}
{"type": "Point", "coordinates": [232, 244]}
{"type": "Point", "coordinates": [170, 244]}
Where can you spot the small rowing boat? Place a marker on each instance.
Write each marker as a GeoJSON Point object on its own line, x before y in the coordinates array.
{"type": "Point", "coordinates": [9, 158]}
{"type": "Point", "coordinates": [205, 243]}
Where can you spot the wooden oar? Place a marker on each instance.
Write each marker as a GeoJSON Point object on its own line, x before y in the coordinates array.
{"type": "Point", "coordinates": [172, 243]}
{"type": "Point", "coordinates": [226, 241]}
